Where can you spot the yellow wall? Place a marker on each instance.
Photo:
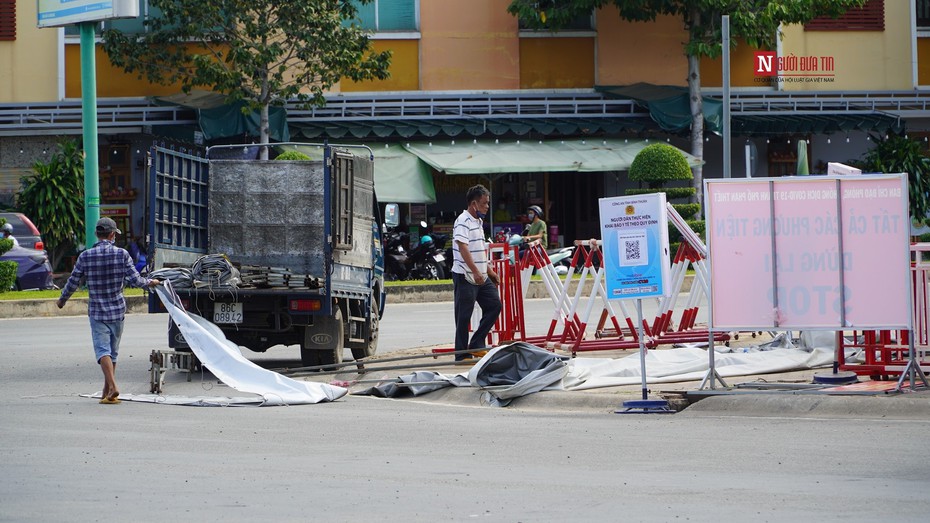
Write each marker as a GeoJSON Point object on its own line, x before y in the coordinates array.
{"type": "Point", "coordinates": [556, 63]}
{"type": "Point", "coordinates": [864, 60]}
{"type": "Point", "coordinates": [29, 64]}
{"type": "Point", "coordinates": [405, 68]}
{"type": "Point", "coordinates": [470, 44]}
{"type": "Point", "coordinates": [111, 81]}
{"type": "Point", "coordinates": [630, 52]}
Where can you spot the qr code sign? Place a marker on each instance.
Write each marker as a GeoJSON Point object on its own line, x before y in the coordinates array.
{"type": "Point", "coordinates": [633, 249]}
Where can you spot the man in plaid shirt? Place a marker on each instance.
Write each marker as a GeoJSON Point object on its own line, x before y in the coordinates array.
{"type": "Point", "coordinates": [105, 268]}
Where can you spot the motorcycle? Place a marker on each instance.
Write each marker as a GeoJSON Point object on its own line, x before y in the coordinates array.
{"type": "Point", "coordinates": [423, 262]}
{"type": "Point", "coordinates": [395, 255]}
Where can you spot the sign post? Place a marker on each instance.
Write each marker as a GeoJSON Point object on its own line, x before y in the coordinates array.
{"type": "Point", "coordinates": [86, 13]}
{"type": "Point", "coordinates": [634, 233]}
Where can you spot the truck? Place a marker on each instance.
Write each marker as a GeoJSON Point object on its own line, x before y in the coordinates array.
{"type": "Point", "coordinates": [304, 237]}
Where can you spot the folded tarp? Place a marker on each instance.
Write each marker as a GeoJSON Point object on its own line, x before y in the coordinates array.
{"type": "Point", "coordinates": [226, 362]}
{"type": "Point", "coordinates": [515, 370]}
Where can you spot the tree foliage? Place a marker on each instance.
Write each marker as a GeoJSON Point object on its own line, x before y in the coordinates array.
{"type": "Point", "coordinates": [53, 197]}
{"type": "Point", "coordinates": [900, 154]}
{"type": "Point", "coordinates": [262, 52]}
{"type": "Point", "coordinates": [755, 21]}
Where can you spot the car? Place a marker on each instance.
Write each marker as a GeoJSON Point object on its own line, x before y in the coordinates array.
{"type": "Point", "coordinates": [25, 232]}
{"type": "Point", "coordinates": [34, 272]}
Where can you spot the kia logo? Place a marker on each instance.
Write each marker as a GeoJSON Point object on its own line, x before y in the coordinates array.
{"type": "Point", "coordinates": [321, 339]}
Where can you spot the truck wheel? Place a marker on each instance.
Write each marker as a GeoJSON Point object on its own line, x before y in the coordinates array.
{"type": "Point", "coordinates": [324, 340]}
{"type": "Point", "coordinates": [371, 347]}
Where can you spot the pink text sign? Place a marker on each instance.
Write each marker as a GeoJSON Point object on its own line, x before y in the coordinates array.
{"type": "Point", "coordinates": [809, 253]}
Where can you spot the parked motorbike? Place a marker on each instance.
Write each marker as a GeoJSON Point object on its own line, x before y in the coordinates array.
{"type": "Point", "coordinates": [423, 262]}
{"type": "Point", "coordinates": [395, 255]}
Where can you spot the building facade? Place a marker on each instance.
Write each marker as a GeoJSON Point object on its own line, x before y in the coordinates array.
{"type": "Point", "coordinates": [837, 83]}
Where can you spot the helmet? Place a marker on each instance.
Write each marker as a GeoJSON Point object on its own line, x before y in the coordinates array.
{"type": "Point", "coordinates": [7, 228]}
{"type": "Point", "coordinates": [426, 238]}
{"type": "Point", "coordinates": [536, 209]}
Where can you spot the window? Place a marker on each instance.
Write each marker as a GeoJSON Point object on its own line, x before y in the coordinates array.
{"type": "Point", "coordinates": [923, 14]}
{"type": "Point", "coordinates": [7, 20]}
{"type": "Point", "coordinates": [388, 15]}
{"type": "Point", "coordinates": [870, 17]}
{"type": "Point", "coordinates": [579, 23]}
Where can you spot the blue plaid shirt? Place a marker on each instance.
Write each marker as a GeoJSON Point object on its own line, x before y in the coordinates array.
{"type": "Point", "coordinates": [106, 268]}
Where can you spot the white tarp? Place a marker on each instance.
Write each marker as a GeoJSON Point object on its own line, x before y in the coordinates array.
{"type": "Point", "coordinates": [688, 364]}
{"type": "Point", "coordinates": [226, 362]}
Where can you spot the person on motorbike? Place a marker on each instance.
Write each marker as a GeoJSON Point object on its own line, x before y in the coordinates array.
{"type": "Point", "coordinates": [537, 228]}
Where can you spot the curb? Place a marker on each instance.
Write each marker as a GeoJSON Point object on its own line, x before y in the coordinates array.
{"type": "Point", "coordinates": [906, 406]}
{"type": "Point", "coordinates": [426, 293]}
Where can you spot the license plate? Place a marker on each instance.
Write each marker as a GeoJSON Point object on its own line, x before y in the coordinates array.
{"type": "Point", "coordinates": [227, 313]}
{"type": "Point", "coordinates": [439, 257]}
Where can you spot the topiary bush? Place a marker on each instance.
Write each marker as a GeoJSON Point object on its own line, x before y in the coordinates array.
{"type": "Point", "coordinates": [657, 164]}
{"type": "Point", "coordinates": [292, 155]}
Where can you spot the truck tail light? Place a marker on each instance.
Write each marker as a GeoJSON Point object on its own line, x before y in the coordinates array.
{"type": "Point", "coordinates": [305, 305]}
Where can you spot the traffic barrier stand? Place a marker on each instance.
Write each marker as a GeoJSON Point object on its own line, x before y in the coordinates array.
{"type": "Point", "coordinates": [536, 257]}
{"type": "Point", "coordinates": [510, 325]}
{"type": "Point", "coordinates": [573, 333]}
{"type": "Point", "coordinates": [887, 353]}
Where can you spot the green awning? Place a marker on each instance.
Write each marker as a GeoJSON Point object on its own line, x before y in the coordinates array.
{"type": "Point", "coordinates": [221, 120]}
{"type": "Point", "coordinates": [669, 105]}
{"type": "Point", "coordinates": [468, 127]}
{"type": "Point", "coordinates": [400, 177]}
{"type": "Point", "coordinates": [531, 156]}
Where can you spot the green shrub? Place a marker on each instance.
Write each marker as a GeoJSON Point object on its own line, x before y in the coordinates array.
{"type": "Point", "coordinates": [7, 275]}
{"type": "Point", "coordinates": [900, 154]}
{"type": "Point", "coordinates": [659, 163]}
{"type": "Point", "coordinates": [5, 243]}
{"type": "Point", "coordinates": [687, 210]}
{"type": "Point", "coordinates": [292, 155]}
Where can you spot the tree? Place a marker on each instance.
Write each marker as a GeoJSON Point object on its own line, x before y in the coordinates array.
{"type": "Point", "coordinates": [261, 52]}
{"type": "Point", "coordinates": [755, 21]}
{"type": "Point", "coordinates": [53, 197]}
{"type": "Point", "coordinates": [900, 154]}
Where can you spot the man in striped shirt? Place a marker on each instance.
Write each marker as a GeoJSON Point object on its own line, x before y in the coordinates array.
{"type": "Point", "coordinates": [473, 280]}
{"type": "Point", "coordinates": [105, 268]}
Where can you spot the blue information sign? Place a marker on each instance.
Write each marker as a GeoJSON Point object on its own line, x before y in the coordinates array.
{"type": "Point", "coordinates": [634, 237]}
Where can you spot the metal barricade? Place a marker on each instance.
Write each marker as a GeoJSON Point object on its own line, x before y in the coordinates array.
{"type": "Point", "coordinates": [885, 353]}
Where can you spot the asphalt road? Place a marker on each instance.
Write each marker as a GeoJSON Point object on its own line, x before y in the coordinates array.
{"type": "Point", "coordinates": [67, 458]}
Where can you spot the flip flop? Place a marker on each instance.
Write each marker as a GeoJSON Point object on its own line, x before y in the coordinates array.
{"type": "Point", "coordinates": [108, 401]}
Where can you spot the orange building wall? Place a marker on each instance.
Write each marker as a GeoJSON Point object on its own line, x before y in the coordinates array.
{"type": "Point", "coordinates": [405, 68]}
{"type": "Point", "coordinates": [741, 69]}
{"type": "Point", "coordinates": [111, 81]}
{"type": "Point", "coordinates": [470, 44]}
{"type": "Point", "coordinates": [923, 61]}
{"type": "Point", "coordinates": [29, 64]}
{"type": "Point", "coordinates": [630, 52]}
{"type": "Point", "coordinates": [556, 63]}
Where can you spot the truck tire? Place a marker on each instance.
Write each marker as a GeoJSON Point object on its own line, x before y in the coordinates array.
{"type": "Point", "coordinates": [371, 347]}
{"type": "Point", "coordinates": [324, 341]}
